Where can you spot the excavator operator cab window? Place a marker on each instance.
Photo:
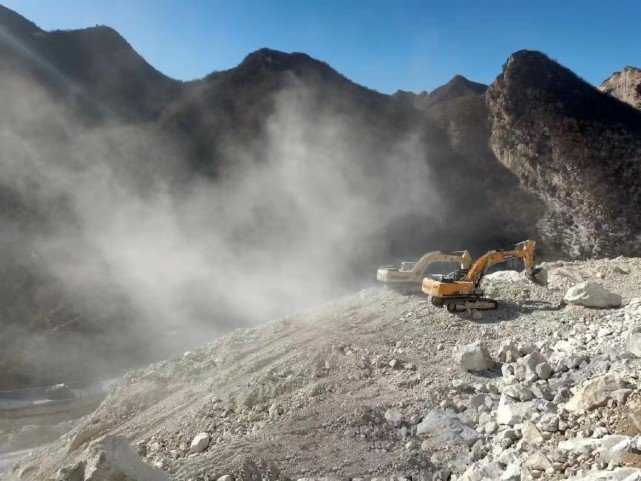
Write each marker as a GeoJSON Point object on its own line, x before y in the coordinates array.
{"type": "Point", "coordinates": [407, 266]}
{"type": "Point", "coordinates": [456, 275]}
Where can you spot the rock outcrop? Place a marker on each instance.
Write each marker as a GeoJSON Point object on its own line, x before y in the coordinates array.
{"type": "Point", "coordinates": [625, 85]}
{"type": "Point", "coordinates": [577, 149]}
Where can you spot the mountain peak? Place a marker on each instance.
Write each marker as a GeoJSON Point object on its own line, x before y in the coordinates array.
{"type": "Point", "coordinates": [458, 86]}
{"type": "Point", "coordinates": [266, 59]}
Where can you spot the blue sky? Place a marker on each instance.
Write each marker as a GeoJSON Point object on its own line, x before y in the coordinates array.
{"type": "Point", "coordinates": [385, 45]}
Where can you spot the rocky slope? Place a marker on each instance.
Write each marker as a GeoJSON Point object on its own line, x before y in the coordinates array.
{"type": "Point", "coordinates": [379, 385]}
{"type": "Point", "coordinates": [577, 149]}
{"type": "Point", "coordinates": [625, 85]}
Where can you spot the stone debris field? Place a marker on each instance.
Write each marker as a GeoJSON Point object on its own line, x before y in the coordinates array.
{"type": "Point", "coordinates": [382, 385]}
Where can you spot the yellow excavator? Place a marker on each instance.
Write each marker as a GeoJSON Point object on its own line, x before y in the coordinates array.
{"type": "Point", "coordinates": [460, 291]}
{"type": "Point", "coordinates": [409, 276]}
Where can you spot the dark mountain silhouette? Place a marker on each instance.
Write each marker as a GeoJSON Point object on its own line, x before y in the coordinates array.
{"type": "Point", "coordinates": [94, 67]}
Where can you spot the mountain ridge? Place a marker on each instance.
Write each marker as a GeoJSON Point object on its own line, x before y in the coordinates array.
{"type": "Point", "coordinates": [478, 182]}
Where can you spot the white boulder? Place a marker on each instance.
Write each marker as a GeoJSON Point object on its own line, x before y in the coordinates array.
{"type": "Point", "coordinates": [633, 343]}
{"type": "Point", "coordinates": [617, 474]}
{"type": "Point", "coordinates": [595, 393]}
{"type": "Point", "coordinates": [447, 428]}
{"type": "Point", "coordinates": [199, 443]}
{"type": "Point", "coordinates": [512, 412]}
{"type": "Point", "coordinates": [592, 294]}
{"type": "Point", "coordinates": [504, 276]}
{"type": "Point", "coordinates": [473, 357]}
{"type": "Point", "coordinates": [111, 457]}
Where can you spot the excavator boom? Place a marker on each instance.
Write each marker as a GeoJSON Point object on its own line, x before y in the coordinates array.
{"type": "Point", "coordinates": [410, 275]}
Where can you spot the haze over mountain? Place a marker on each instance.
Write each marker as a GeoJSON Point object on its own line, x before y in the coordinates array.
{"type": "Point", "coordinates": [142, 214]}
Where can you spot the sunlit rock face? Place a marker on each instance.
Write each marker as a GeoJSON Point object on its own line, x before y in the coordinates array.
{"type": "Point", "coordinates": [577, 149]}
{"type": "Point", "coordinates": [625, 85]}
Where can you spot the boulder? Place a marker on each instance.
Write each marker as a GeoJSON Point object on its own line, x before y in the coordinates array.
{"type": "Point", "coordinates": [592, 294]}
{"type": "Point", "coordinates": [394, 417]}
{"type": "Point", "coordinates": [635, 415]}
{"type": "Point", "coordinates": [518, 391]}
{"type": "Point", "coordinates": [595, 393]}
{"type": "Point", "coordinates": [111, 457]}
{"type": "Point", "coordinates": [199, 443]}
{"type": "Point", "coordinates": [633, 343]}
{"type": "Point", "coordinates": [543, 370]}
{"type": "Point", "coordinates": [541, 276]}
{"type": "Point", "coordinates": [511, 412]}
{"type": "Point", "coordinates": [504, 276]}
{"type": "Point", "coordinates": [615, 454]}
{"type": "Point", "coordinates": [508, 352]}
{"type": "Point", "coordinates": [531, 433]}
{"type": "Point", "coordinates": [592, 445]}
{"type": "Point", "coordinates": [621, 269]}
{"type": "Point", "coordinates": [473, 357]}
{"type": "Point", "coordinates": [482, 470]}
{"type": "Point", "coordinates": [447, 428]}
{"type": "Point", "coordinates": [512, 473]}
{"type": "Point", "coordinates": [538, 461]}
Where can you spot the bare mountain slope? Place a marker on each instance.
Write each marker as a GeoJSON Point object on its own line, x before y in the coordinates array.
{"type": "Point", "coordinates": [370, 387]}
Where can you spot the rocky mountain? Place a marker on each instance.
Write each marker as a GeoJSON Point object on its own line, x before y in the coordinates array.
{"type": "Point", "coordinates": [576, 148]}
{"type": "Point", "coordinates": [625, 85]}
{"type": "Point", "coordinates": [93, 131]}
{"type": "Point", "coordinates": [272, 166]}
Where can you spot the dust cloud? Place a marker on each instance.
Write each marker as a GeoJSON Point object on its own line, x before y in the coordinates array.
{"type": "Point", "coordinates": [157, 259]}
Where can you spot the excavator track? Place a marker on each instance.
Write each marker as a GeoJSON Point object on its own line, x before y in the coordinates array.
{"type": "Point", "coordinates": [474, 303]}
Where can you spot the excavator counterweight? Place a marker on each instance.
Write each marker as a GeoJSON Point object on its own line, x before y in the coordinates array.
{"type": "Point", "coordinates": [460, 291]}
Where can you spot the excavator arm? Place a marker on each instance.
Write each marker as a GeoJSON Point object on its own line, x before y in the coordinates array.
{"type": "Point", "coordinates": [523, 250]}
{"type": "Point", "coordinates": [409, 279]}
{"type": "Point", "coordinates": [463, 258]}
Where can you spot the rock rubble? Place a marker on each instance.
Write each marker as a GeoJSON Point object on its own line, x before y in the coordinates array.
{"type": "Point", "coordinates": [385, 386]}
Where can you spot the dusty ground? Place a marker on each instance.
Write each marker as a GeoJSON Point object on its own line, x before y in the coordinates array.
{"type": "Point", "coordinates": [306, 396]}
